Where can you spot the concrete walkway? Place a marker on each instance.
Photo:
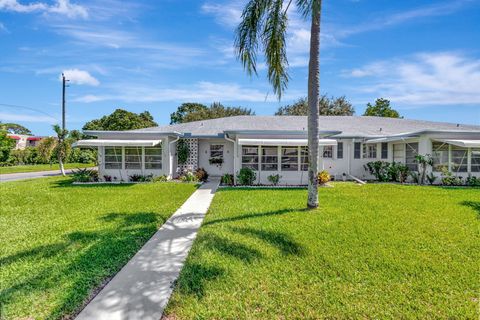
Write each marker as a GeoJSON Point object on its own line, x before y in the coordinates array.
{"type": "Point", "coordinates": [141, 290]}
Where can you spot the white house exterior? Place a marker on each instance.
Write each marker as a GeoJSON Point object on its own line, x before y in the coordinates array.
{"type": "Point", "coordinates": [277, 145]}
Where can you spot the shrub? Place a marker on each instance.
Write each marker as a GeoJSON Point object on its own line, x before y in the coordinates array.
{"type": "Point", "coordinates": [379, 169]}
{"type": "Point", "coordinates": [448, 179]}
{"type": "Point", "coordinates": [227, 179]}
{"type": "Point", "coordinates": [201, 174]}
{"type": "Point", "coordinates": [162, 178]}
{"type": "Point", "coordinates": [402, 171]}
{"type": "Point", "coordinates": [189, 177]}
{"type": "Point", "coordinates": [107, 178]}
{"type": "Point", "coordinates": [82, 156]}
{"type": "Point", "coordinates": [246, 177]}
{"type": "Point", "coordinates": [29, 155]}
{"type": "Point", "coordinates": [473, 181]}
{"type": "Point", "coordinates": [323, 177]}
{"type": "Point", "coordinates": [140, 178]}
{"type": "Point", "coordinates": [85, 175]}
{"type": "Point", "coordinates": [431, 178]}
{"type": "Point", "coordinates": [274, 179]}
{"type": "Point", "coordinates": [415, 176]}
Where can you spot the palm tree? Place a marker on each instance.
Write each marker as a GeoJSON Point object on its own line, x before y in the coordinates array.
{"type": "Point", "coordinates": [264, 25]}
{"type": "Point", "coordinates": [62, 146]}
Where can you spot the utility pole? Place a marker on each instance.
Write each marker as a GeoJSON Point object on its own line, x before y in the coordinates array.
{"type": "Point", "coordinates": [63, 101]}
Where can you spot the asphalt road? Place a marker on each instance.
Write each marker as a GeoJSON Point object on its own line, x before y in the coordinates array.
{"type": "Point", "coordinates": [30, 175]}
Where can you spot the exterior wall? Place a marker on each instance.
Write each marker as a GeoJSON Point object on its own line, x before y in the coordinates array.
{"type": "Point", "coordinates": [204, 156]}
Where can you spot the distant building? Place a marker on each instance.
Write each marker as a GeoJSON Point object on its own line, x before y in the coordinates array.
{"type": "Point", "coordinates": [23, 140]}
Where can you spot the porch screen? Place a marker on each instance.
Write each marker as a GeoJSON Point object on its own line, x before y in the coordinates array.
{"type": "Point", "coordinates": [303, 158]}
{"type": "Point", "coordinates": [459, 159]}
{"type": "Point", "coordinates": [153, 158]}
{"type": "Point", "coordinates": [113, 158]}
{"type": "Point", "coordinates": [475, 160]}
{"type": "Point", "coordinates": [439, 156]}
{"type": "Point", "coordinates": [289, 158]}
{"type": "Point", "coordinates": [269, 158]}
{"type": "Point", "coordinates": [250, 157]}
{"type": "Point", "coordinates": [133, 157]}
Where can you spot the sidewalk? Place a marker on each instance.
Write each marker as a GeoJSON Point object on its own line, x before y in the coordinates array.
{"type": "Point", "coordinates": [141, 290]}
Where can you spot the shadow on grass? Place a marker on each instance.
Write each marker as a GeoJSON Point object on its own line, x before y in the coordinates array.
{"type": "Point", "coordinates": [88, 259]}
{"type": "Point", "coordinates": [253, 216]}
{"type": "Point", "coordinates": [475, 205]}
{"type": "Point", "coordinates": [281, 241]}
{"type": "Point", "coordinates": [69, 184]}
{"type": "Point", "coordinates": [229, 248]}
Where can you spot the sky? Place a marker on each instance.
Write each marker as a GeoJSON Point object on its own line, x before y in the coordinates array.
{"type": "Point", "coordinates": [424, 56]}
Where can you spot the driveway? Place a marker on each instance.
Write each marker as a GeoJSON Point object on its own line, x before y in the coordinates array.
{"type": "Point", "coordinates": [30, 175]}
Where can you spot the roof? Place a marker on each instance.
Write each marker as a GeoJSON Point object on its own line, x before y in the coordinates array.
{"type": "Point", "coordinates": [339, 126]}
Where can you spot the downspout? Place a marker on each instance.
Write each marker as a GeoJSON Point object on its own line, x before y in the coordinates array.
{"type": "Point", "coordinates": [234, 157]}
{"type": "Point", "coordinates": [169, 145]}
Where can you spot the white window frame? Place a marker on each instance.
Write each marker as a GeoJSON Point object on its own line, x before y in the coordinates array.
{"type": "Point", "coordinates": [263, 157]}
{"type": "Point", "coordinates": [213, 150]}
{"type": "Point", "coordinates": [327, 152]}
{"type": "Point", "coordinates": [293, 164]}
{"type": "Point", "coordinates": [369, 151]}
{"type": "Point", "coordinates": [127, 163]}
{"type": "Point", "coordinates": [159, 158]}
{"type": "Point", "coordinates": [115, 156]}
{"type": "Point", "coordinates": [250, 164]}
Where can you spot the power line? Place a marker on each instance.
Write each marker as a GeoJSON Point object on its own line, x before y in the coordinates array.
{"type": "Point", "coordinates": [28, 108]}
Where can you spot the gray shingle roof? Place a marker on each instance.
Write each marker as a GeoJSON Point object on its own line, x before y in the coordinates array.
{"type": "Point", "coordinates": [350, 126]}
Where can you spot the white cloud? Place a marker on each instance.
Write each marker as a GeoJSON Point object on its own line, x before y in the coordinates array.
{"type": "Point", "coordinates": [3, 28]}
{"type": "Point", "coordinates": [444, 78]}
{"type": "Point", "coordinates": [225, 14]}
{"type": "Point", "coordinates": [203, 91]}
{"type": "Point", "coordinates": [61, 7]}
{"type": "Point", "coordinates": [77, 76]}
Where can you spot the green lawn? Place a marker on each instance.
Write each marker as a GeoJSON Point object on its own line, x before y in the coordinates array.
{"type": "Point", "coordinates": [370, 252]}
{"type": "Point", "coordinates": [42, 167]}
{"type": "Point", "coordinates": [59, 242]}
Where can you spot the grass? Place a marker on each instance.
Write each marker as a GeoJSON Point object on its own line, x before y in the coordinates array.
{"type": "Point", "coordinates": [59, 242]}
{"type": "Point", "coordinates": [377, 251]}
{"type": "Point", "coordinates": [42, 167]}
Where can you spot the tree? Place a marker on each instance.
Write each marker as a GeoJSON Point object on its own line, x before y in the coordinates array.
{"type": "Point", "coordinates": [15, 128]}
{"type": "Point", "coordinates": [62, 146]}
{"type": "Point", "coordinates": [46, 148]}
{"type": "Point", "coordinates": [6, 146]}
{"type": "Point", "coordinates": [381, 108]}
{"type": "Point", "coordinates": [263, 26]}
{"type": "Point", "coordinates": [327, 107]}
{"type": "Point", "coordinates": [185, 109]}
{"type": "Point", "coordinates": [121, 120]}
{"type": "Point", "coordinates": [189, 112]}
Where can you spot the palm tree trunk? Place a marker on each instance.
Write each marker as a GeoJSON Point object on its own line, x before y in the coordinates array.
{"type": "Point", "coordinates": [313, 113]}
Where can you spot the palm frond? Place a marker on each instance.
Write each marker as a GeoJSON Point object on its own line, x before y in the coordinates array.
{"type": "Point", "coordinates": [306, 7]}
{"type": "Point", "coordinates": [274, 43]}
{"type": "Point", "coordinates": [246, 39]}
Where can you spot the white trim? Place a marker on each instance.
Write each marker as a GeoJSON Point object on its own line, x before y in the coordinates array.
{"type": "Point", "coordinates": [285, 142]}
{"type": "Point", "coordinates": [461, 143]}
{"type": "Point", "coordinates": [116, 143]}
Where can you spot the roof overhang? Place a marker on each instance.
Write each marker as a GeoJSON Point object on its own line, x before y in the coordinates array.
{"type": "Point", "coordinates": [391, 139]}
{"type": "Point", "coordinates": [285, 142]}
{"type": "Point", "coordinates": [461, 143]}
{"type": "Point", "coordinates": [96, 133]}
{"type": "Point", "coordinates": [116, 143]}
{"type": "Point", "coordinates": [281, 132]}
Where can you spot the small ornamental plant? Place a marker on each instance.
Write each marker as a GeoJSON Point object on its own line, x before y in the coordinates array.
{"type": "Point", "coordinates": [323, 177]}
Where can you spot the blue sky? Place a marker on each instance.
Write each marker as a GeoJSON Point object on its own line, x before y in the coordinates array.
{"type": "Point", "coordinates": [153, 55]}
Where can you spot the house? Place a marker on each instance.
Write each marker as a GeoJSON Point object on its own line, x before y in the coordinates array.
{"type": "Point", "coordinates": [278, 145]}
{"type": "Point", "coordinates": [22, 140]}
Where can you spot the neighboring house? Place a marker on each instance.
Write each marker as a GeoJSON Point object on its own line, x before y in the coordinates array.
{"type": "Point", "coordinates": [278, 145]}
{"type": "Point", "coordinates": [23, 141]}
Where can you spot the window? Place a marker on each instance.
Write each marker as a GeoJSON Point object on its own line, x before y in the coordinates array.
{"type": "Point", "coordinates": [411, 150]}
{"type": "Point", "coordinates": [356, 151]}
{"type": "Point", "coordinates": [113, 158]}
{"type": "Point", "coordinates": [370, 151]}
{"type": "Point", "coordinates": [475, 160]}
{"type": "Point", "coordinates": [328, 151]}
{"type": "Point", "coordinates": [439, 156]}
{"type": "Point", "coordinates": [303, 158]}
{"type": "Point", "coordinates": [153, 157]}
{"type": "Point", "coordinates": [269, 158]}
{"type": "Point", "coordinates": [250, 157]}
{"type": "Point", "coordinates": [459, 159]}
{"type": "Point", "coordinates": [216, 151]}
{"type": "Point", "coordinates": [133, 157]}
{"type": "Point", "coordinates": [398, 152]}
{"type": "Point", "coordinates": [384, 150]}
{"type": "Point", "coordinates": [340, 150]}
{"type": "Point", "coordinates": [289, 159]}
